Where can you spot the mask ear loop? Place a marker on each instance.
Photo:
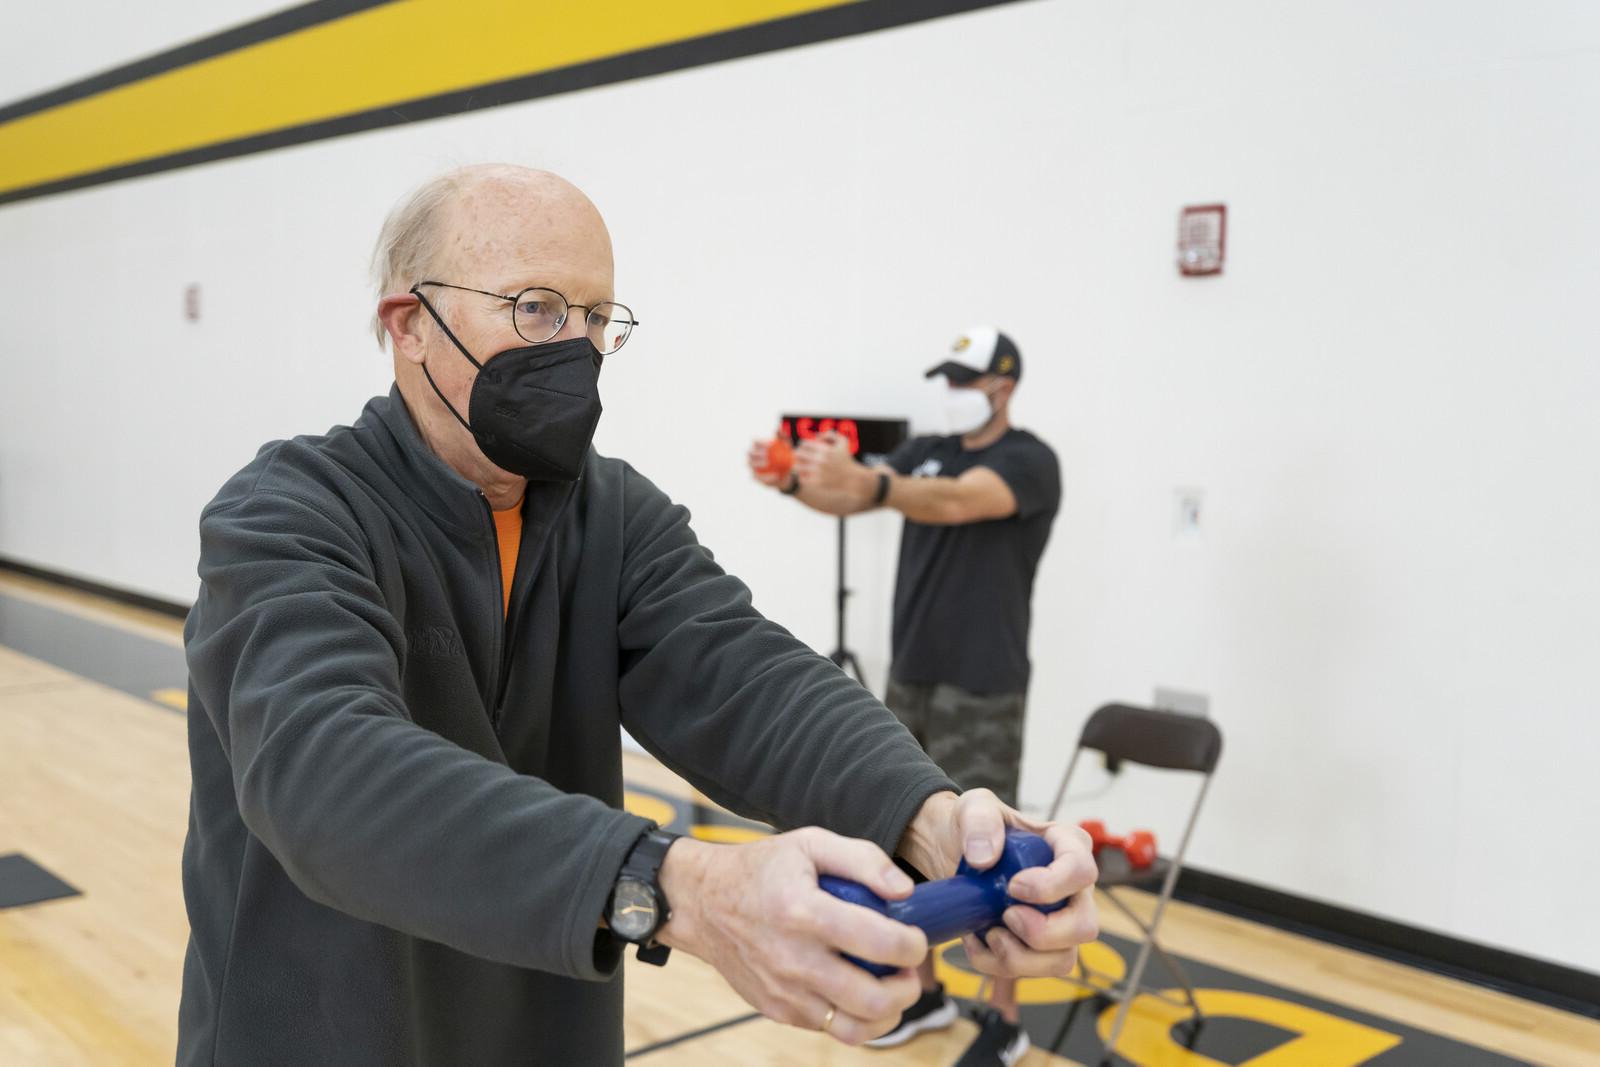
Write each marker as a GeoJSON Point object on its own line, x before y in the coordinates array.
{"type": "Point", "coordinates": [416, 291]}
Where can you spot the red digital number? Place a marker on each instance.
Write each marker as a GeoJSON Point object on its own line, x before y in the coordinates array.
{"type": "Point", "coordinates": [805, 429]}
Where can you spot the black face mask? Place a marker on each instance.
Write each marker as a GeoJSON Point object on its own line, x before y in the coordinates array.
{"type": "Point", "coordinates": [533, 409]}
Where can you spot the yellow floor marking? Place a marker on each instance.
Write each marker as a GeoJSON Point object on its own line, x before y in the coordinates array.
{"type": "Point", "coordinates": [727, 835]}
{"type": "Point", "coordinates": [172, 698]}
{"type": "Point", "coordinates": [653, 808]}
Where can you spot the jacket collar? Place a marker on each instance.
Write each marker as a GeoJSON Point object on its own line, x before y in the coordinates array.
{"type": "Point", "coordinates": [421, 475]}
{"type": "Point", "coordinates": [418, 473]}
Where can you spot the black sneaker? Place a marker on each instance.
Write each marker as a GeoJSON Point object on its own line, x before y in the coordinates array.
{"type": "Point", "coordinates": [998, 1042]}
{"type": "Point", "coordinates": [932, 1011]}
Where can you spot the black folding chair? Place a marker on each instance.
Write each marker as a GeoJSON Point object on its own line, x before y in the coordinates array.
{"type": "Point", "coordinates": [1169, 741]}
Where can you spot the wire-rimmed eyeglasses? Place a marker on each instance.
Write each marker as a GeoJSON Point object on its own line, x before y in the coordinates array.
{"type": "Point", "coordinates": [538, 314]}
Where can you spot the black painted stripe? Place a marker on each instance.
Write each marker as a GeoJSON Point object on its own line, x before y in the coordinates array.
{"type": "Point", "coordinates": [99, 589]}
{"type": "Point", "coordinates": [23, 881]}
{"type": "Point", "coordinates": [868, 16]}
{"type": "Point", "coordinates": [106, 654]}
{"type": "Point", "coordinates": [280, 24]}
{"type": "Point", "coordinates": [692, 1034]}
{"type": "Point", "coordinates": [1541, 981]}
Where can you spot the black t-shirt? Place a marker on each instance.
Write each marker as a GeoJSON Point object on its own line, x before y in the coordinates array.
{"type": "Point", "coordinates": [962, 598]}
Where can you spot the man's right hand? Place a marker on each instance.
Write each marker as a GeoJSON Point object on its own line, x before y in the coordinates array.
{"type": "Point", "coordinates": [754, 912]}
{"type": "Point", "coordinates": [757, 458]}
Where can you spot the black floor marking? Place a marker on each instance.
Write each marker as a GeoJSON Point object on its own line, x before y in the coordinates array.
{"type": "Point", "coordinates": [99, 652]}
{"type": "Point", "coordinates": [692, 1034]}
{"type": "Point", "coordinates": [23, 881]}
{"type": "Point", "coordinates": [1237, 1040]}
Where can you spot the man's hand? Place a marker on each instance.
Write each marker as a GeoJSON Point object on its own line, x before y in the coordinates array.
{"type": "Point", "coordinates": [825, 463]}
{"type": "Point", "coordinates": [948, 828]}
{"type": "Point", "coordinates": [754, 912]}
{"type": "Point", "coordinates": [757, 458]}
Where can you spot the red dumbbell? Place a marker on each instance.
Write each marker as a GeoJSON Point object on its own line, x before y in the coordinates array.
{"type": "Point", "coordinates": [780, 457]}
{"type": "Point", "coordinates": [1139, 846]}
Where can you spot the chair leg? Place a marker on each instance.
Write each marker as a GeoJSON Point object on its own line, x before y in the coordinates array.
{"type": "Point", "coordinates": [1131, 993]}
{"type": "Point", "coordinates": [1181, 975]}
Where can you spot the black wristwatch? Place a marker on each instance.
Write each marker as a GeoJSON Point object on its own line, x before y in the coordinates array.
{"type": "Point", "coordinates": [638, 909]}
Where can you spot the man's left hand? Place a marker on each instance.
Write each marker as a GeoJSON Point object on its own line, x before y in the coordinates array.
{"type": "Point", "coordinates": [825, 463]}
{"type": "Point", "coordinates": [1032, 944]}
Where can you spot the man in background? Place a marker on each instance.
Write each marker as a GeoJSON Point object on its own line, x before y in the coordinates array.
{"type": "Point", "coordinates": [979, 504]}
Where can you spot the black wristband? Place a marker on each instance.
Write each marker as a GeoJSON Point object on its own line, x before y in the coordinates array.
{"type": "Point", "coordinates": [793, 487]}
{"type": "Point", "coordinates": [883, 490]}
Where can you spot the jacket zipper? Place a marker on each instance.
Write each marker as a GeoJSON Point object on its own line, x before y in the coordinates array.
{"type": "Point", "coordinates": [500, 598]}
{"type": "Point", "coordinates": [503, 631]}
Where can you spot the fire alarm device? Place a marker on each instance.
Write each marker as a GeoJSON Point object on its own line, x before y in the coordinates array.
{"type": "Point", "coordinates": [1202, 238]}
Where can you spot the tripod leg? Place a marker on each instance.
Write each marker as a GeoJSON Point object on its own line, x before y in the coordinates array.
{"type": "Point", "coordinates": [846, 660]}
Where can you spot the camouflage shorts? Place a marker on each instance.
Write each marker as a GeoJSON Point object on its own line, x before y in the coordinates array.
{"type": "Point", "coordinates": [974, 738]}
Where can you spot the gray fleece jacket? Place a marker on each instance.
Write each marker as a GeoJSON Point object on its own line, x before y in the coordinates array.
{"type": "Point", "coordinates": [406, 815]}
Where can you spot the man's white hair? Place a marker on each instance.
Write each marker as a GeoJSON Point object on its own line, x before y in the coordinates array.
{"type": "Point", "coordinates": [411, 241]}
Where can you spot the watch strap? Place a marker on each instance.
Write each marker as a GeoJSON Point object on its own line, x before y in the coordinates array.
{"type": "Point", "coordinates": [643, 863]}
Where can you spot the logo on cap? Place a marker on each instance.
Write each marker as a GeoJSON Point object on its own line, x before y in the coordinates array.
{"type": "Point", "coordinates": [1007, 364]}
{"type": "Point", "coordinates": [962, 344]}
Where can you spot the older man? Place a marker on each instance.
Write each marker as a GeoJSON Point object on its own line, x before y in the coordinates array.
{"type": "Point", "coordinates": [414, 643]}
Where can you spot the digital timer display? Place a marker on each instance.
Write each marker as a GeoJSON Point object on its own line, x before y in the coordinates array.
{"type": "Point", "coordinates": [869, 439]}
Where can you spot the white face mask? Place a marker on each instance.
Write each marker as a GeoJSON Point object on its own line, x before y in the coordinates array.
{"type": "Point", "coordinates": [966, 410]}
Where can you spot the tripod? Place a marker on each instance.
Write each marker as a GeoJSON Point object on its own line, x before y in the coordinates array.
{"type": "Point", "coordinates": [841, 655]}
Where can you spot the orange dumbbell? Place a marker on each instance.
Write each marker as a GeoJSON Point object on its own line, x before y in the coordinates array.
{"type": "Point", "coordinates": [1139, 846]}
{"type": "Point", "coordinates": [780, 457]}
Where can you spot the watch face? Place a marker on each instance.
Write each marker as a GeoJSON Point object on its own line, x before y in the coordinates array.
{"type": "Point", "coordinates": [633, 909]}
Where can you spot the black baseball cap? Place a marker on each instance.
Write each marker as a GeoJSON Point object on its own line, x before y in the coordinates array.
{"type": "Point", "coordinates": [981, 350]}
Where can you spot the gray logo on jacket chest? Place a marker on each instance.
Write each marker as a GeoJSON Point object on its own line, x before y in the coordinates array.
{"type": "Point", "coordinates": [930, 468]}
{"type": "Point", "coordinates": [434, 641]}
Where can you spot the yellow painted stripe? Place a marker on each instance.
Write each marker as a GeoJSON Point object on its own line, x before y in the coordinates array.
{"type": "Point", "coordinates": [376, 58]}
{"type": "Point", "coordinates": [172, 698]}
{"type": "Point", "coordinates": [648, 807]}
{"type": "Point", "coordinates": [719, 834]}
{"type": "Point", "coordinates": [1105, 966]}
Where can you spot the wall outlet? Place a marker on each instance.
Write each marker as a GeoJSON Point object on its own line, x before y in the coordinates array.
{"type": "Point", "coordinates": [1183, 701]}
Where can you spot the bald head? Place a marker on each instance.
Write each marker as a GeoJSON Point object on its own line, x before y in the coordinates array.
{"type": "Point", "coordinates": [481, 224]}
{"type": "Point", "coordinates": [483, 236]}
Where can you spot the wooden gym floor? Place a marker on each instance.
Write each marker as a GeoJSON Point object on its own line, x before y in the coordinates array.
{"type": "Point", "coordinates": [94, 791]}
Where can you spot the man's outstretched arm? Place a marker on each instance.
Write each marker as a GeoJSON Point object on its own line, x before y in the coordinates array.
{"type": "Point", "coordinates": [827, 479]}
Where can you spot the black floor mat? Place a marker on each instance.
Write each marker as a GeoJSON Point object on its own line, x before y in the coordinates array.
{"type": "Point", "coordinates": [23, 881]}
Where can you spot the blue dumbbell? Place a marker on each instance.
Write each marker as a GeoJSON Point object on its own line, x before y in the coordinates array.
{"type": "Point", "coordinates": [968, 902]}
